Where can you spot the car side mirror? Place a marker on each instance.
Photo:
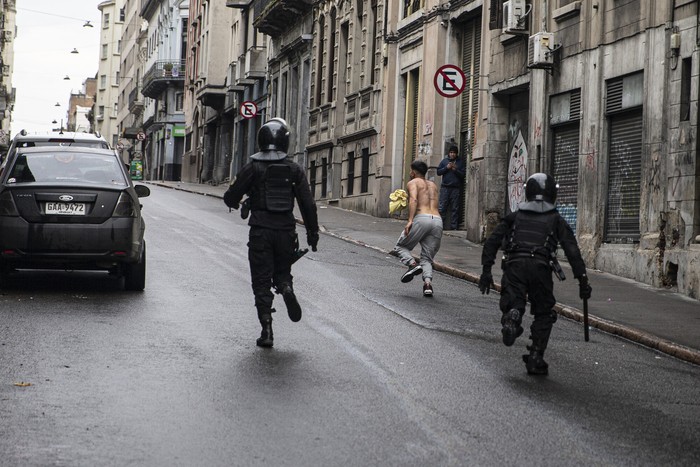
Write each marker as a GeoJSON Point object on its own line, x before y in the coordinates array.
{"type": "Point", "coordinates": [142, 191]}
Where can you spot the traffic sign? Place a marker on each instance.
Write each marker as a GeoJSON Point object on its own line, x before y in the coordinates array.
{"type": "Point", "coordinates": [141, 136]}
{"type": "Point", "coordinates": [248, 109]}
{"type": "Point", "coordinates": [450, 81]}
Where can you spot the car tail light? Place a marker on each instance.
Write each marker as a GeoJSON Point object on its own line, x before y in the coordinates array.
{"type": "Point", "coordinates": [124, 207]}
{"type": "Point", "coordinates": [7, 205]}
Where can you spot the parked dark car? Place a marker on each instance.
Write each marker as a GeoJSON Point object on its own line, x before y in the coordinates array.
{"type": "Point", "coordinates": [24, 139]}
{"type": "Point", "coordinates": [71, 208]}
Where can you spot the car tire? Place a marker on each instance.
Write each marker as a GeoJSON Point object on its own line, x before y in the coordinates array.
{"type": "Point", "coordinates": [135, 273]}
{"type": "Point", "coordinates": [4, 272]}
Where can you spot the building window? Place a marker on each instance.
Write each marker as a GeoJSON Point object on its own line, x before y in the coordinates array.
{"type": "Point", "coordinates": [364, 175]}
{"type": "Point", "coordinates": [319, 60]}
{"type": "Point", "coordinates": [372, 41]}
{"type": "Point", "coordinates": [351, 173]}
{"type": "Point", "coordinates": [101, 111]}
{"type": "Point", "coordinates": [115, 110]}
{"type": "Point", "coordinates": [411, 6]}
{"type": "Point", "coordinates": [686, 69]}
{"type": "Point", "coordinates": [103, 81]}
{"type": "Point", "coordinates": [179, 101]}
{"type": "Point", "coordinates": [312, 178]}
{"type": "Point", "coordinates": [324, 177]}
{"type": "Point", "coordinates": [116, 79]}
{"type": "Point", "coordinates": [331, 59]}
{"type": "Point", "coordinates": [119, 46]}
{"type": "Point", "coordinates": [105, 20]}
{"type": "Point", "coordinates": [104, 51]}
{"type": "Point", "coordinates": [122, 15]}
{"type": "Point", "coordinates": [283, 97]}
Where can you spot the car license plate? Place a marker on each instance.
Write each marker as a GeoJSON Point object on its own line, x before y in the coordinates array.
{"type": "Point", "coordinates": [71, 209]}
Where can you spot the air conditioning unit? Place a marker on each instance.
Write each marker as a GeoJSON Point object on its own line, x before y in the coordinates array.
{"type": "Point", "coordinates": [514, 13]}
{"type": "Point", "coordinates": [540, 51]}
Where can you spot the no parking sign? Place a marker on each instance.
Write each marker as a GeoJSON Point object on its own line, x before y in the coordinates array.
{"type": "Point", "coordinates": [248, 109]}
{"type": "Point", "coordinates": [449, 81]}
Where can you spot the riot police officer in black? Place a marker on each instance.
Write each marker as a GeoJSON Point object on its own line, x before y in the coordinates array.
{"type": "Point", "coordinates": [272, 182]}
{"type": "Point", "coordinates": [529, 237]}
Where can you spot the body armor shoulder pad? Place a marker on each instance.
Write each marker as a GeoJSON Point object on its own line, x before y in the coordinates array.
{"type": "Point", "coordinates": [269, 156]}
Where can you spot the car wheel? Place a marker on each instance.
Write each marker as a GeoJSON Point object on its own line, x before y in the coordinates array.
{"type": "Point", "coordinates": [4, 272]}
{"type": "Point", "coordinates": [135, 273]}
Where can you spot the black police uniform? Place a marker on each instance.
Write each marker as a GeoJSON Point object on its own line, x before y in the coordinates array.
{"type": "Point", "coordinates": [272, 183]}
{"type": "Point", "coordinates": [529, 238]}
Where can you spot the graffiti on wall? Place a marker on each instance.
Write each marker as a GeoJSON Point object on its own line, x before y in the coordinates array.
{"type": "Point", "coordinates": [623, 188]}
{"type": "Point", "coordinates": [566, 174]}
{"type": "Point", "coordinates": [517, 172]}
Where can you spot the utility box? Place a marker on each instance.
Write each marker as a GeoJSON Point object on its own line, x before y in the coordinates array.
{"type": "Point", "coordinates": [540, 50]}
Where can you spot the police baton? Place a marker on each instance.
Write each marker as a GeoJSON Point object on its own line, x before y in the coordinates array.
{"type": "Point", "coordinates": [585, 319]}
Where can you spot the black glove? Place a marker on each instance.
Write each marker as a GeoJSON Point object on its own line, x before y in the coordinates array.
{"type": "Point", "coordinates": [312, 240]}
{"type": "Point", "coordinates": [485, 281]}
{"type": "Point", "coordinates": [228, 199]}
{"type": "Point", "coordinates": [584, 288]}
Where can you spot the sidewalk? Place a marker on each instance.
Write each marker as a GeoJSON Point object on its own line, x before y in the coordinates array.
{"type": "Point", "coordinates": [663, 320]}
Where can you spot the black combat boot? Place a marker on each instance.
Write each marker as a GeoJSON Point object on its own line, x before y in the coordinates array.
{"type": "Point", "coordinates": [511, 326]}
{"type": "Point", "coordinates": [290, 300]}
{"type": "Point", "coordinates": [265, 339]}
{"type": "Point", "coordinates": [534, 361]}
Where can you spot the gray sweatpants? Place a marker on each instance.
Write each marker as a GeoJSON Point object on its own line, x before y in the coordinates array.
{"type": "Point", "coordinates": [426, 230]}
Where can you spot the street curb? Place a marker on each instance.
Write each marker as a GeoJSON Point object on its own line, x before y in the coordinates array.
{"type": "Point", "coordinates": [635, 335]}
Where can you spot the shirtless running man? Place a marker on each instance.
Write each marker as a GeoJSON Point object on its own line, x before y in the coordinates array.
{"type": "Point", "coordinates": [424, 226]}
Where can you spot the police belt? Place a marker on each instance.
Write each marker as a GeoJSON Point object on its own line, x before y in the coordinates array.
{"type": "Point", "coordinates": [520, 255]}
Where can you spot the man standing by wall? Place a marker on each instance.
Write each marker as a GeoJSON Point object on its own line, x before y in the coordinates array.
{"type": "Point", "coordinates": [451, 169]}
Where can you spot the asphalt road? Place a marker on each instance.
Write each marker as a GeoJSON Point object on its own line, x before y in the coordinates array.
{"type": "Point", "coordinates": [374, 374]}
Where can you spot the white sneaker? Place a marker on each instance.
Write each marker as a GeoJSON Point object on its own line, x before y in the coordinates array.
{"type": "Point", "coordinates": [412, 271]}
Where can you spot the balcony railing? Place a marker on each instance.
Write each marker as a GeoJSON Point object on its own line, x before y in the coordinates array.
{"type": "Point", "coordinates": [272, 17]}
{"type": "Point", "coordinates": [135, 100]}
{"type": "Point", "coordinates": [162, 74]}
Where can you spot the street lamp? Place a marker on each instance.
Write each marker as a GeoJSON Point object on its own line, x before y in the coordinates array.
{"type": "Point", "coordinates": [67, 77]}
{"type": "Point", "coordinates": [87, 24]}
{"type": "Point", "coordinates": [74, 51]}
{"type": "Point", "coordinates": [57, 105]}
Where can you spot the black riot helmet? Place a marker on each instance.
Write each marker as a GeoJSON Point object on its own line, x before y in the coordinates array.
{"type": "Point", "coordinates": [541, 187]}
{"type": "Point", "coordinates": [274, 136]}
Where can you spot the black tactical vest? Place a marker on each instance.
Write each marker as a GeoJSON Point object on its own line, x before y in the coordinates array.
{"type": "Point", "coordinates": [532, 233]}
{"type": "Point", "coordinates": [273, 189]}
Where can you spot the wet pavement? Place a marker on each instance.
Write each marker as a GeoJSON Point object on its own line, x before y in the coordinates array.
{"type": "Point", "coordinates": [658, 318]}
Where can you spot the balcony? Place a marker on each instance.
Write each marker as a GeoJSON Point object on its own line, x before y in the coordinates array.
{"type": "Point", "coordinates": [255, 63]}
{"type": "Point", "coordinates": [212, 95]}
{"type": "Point", "coordinates": [163, 74]}
{"type": "Point", "coordinates": [135, 101]}
{"type": "Point", "coordinates": [231, 79]}
{"type": "Point", "coordinates": [242, 4]}
{"type": "Point", "coordinates": [272, 17]}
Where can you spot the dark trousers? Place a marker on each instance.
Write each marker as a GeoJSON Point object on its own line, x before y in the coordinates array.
{"type": "Point", "coordinates": [270, 254]}
{"type": "Point", "coordinates": [530, 279]}
{"type": "Point", "coordinates": [449, 202]}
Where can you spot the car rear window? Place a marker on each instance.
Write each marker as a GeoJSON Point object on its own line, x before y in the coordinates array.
{"type": "Point", "coordinates": [66, 167]}
{"type": "Point", "coordinates": [64, 142]}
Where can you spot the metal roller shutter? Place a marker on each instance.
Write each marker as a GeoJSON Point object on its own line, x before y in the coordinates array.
{"type": "Point", "coordinates": [565, 171]}
{"type": "Point", "coordinates": [624, 178]}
